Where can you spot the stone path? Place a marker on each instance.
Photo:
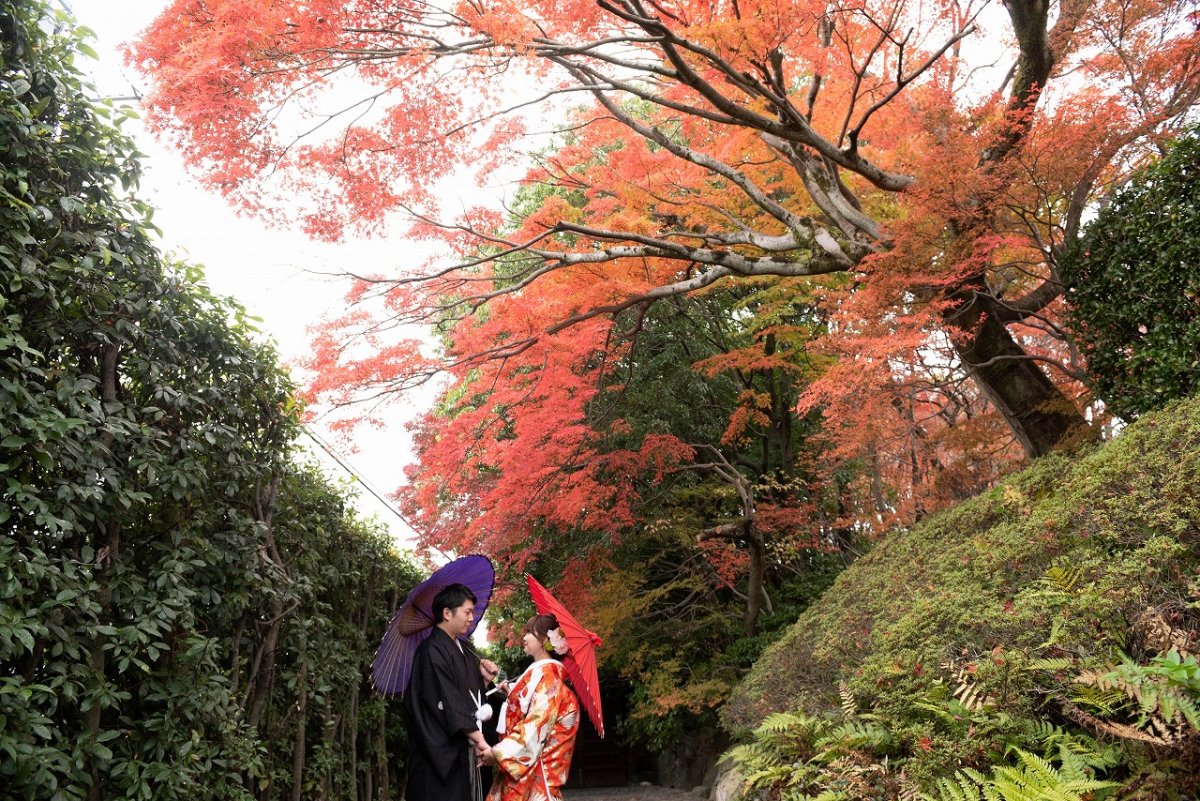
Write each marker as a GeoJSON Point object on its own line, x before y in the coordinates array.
{"type": "Point", "coordinates": [635, 793]}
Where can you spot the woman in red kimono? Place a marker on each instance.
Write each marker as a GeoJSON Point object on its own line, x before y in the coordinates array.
{"type": "Point", "coordinates": [538, 722]}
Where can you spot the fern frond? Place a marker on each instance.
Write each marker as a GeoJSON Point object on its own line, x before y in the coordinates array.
{"type": "Point", "coordinates": [1046, 732]}
{"type": "Point", "coordinates": [852, 735]}
{"type": "Point", "coordinates": [1032, 778]}
{"type": "Point", "coordinates": [961, 788]}
{"type": "Point", "coordinates": [779, 722]}
{"type": "Point", "coordinates": [909, 790]}
{"type": "Point", "coordinates": [1104, 701]}
{"type": "Point", "coordinates": [1053, 664]}
{"type": "Point", "coordinates": [940, 711]}
{"type": "Point", "coordinates": [849, 702]}
{"type": "Point", "coordinates": [966, 690]}
{"type": "Point", "coordinates": [1063, 579]}
{"type": "Point", "coordinates": [1166, 693]}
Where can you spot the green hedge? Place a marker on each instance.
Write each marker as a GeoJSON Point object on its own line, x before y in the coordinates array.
{"type": "Point", "coordinates": [186, 610]}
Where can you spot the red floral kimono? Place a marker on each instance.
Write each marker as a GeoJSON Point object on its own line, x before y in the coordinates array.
{"type": "Point", "coordinates": [540, 720]}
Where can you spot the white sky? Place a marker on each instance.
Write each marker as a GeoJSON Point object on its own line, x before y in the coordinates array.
{"type": "Point", "coordinates": [273, 273]}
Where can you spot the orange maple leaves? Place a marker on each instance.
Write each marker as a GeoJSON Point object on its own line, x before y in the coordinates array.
{"type": "Point", "coordinates": [766, 140]}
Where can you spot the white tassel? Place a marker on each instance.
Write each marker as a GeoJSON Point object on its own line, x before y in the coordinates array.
{"type": "Point", "coordinates": [483, 712]}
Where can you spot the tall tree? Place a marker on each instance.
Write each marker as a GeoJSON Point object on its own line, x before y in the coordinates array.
{"type": "Point", "coordinates": [772, 138]}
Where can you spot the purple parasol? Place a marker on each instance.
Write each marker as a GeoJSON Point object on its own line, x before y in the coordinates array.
{"type": "Point", "coordinates": [413, 621]}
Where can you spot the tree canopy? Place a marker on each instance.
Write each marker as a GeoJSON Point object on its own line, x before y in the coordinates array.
{"type": "Point", "coordinates": [942, 153]}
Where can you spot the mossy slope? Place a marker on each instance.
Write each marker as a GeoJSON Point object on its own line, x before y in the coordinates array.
{"type": "Point", "coordinates": [1079, 557]}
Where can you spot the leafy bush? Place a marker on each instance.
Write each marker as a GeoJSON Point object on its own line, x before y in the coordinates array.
{"type": "Point", "coordinates": [1134, 286]}
{"type": "Point", "coordinates": [186, 612]}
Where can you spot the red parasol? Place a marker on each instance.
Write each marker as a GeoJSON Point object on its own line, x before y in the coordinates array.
{"type": "Point", "coordinates": [580, 659]}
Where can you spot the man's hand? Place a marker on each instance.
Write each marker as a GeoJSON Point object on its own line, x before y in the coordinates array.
{"type": "Point", "coordinates": [488, 669]}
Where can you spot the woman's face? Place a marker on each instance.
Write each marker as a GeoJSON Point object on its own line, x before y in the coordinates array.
{"type": "Point", "coordinates": [533, 646]}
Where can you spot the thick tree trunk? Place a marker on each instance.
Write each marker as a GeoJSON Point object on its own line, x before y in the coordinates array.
{"type": "Point", "coordinates": [1040, 415]}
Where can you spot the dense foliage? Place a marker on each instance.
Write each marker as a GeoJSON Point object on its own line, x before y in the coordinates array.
{"type": "Point", "coordinates": [938, 155]}
{"type": "Point", "coordinates": [1056, 614]}
{"type": "Point", "coordinates": [734, 543]}
{"type": "Point", "coordinates": [186, 611]}
{"type": "Point", "coordinates": [1143, 248]}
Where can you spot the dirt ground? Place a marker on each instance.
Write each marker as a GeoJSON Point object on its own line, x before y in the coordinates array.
{"type": "Point", "coordinates": [635, 793]}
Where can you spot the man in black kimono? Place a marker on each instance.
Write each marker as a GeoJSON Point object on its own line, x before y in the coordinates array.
{"type": "Point", "coordinates": [444, 733]}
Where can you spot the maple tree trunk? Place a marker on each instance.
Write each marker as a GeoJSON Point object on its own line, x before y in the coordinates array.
{"type": "Point", "coordinates": [754, 582]}
{"type": "Point", "coordinates": [1040, 415]}
{"type": "Point", "coordinates": [1037, 411]}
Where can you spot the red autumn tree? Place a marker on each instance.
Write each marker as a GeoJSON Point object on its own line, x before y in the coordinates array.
{"type": "Point", "coordinates": [930, 159]}
{"type": "Point", "coordinates": [760, 138]}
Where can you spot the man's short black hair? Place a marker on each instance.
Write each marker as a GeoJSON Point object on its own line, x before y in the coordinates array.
{"type": "Point", "coordinates": [451, 597]}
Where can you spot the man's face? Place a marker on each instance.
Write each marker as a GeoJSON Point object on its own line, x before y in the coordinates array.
{"type": "Point", "coordinates": [458, 621]}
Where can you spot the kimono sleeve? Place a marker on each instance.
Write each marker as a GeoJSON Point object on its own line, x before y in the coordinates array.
{"type": "Point", "coordinates": [519, 751]}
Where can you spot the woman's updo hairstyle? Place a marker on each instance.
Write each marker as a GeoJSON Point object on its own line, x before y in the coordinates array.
{"type": "Point", "coordinates": [540, 626]}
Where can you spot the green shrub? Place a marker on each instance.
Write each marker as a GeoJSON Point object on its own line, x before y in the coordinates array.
{"type": "Point", "coordinates": [1133, 286]}
{"type": "Point", "coordinates": [186, 611]}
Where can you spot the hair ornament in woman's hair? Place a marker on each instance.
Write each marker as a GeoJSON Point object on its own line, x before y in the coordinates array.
{"type": "Point", "coordinates": [557, 643]}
